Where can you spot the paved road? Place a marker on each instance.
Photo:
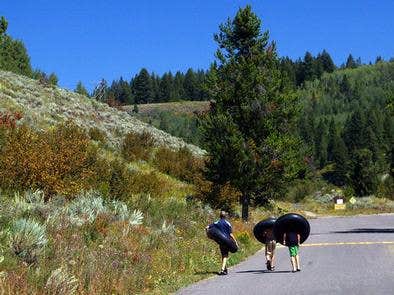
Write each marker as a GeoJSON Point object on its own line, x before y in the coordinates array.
{"type": "Point", "coordinates": [343, 255]}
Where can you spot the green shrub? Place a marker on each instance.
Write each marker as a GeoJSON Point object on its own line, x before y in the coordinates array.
{"type": "Point", "coordinates": [137, 146]}
{"type": "Point", "coordinates": [58, 161]}
{"type": "Point", "coordinates": [386, 188]}
{"type": "Point", "coordinates": [97, 134]}
{"type": "Point", "coordinates": [301, 189]}
{"type": "Point", "coordinates": [180, 164]}
{"type": "Point", "coordinates": [244, 238]}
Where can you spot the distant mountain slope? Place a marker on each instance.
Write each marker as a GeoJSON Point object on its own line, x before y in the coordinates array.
{"type": "Point", "coordinates": [341, 92]}
{"type": "Point", "coordinates": [43, 106]}
{"type": "Point", "coordinates": [184, 107]}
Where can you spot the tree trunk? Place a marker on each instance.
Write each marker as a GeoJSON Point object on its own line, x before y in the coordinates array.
{"type": "Point", "coordinates": [245, 207]}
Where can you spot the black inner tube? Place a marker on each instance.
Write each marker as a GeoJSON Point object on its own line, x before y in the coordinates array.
{"type": "Point", "coordinates": [261, 227]}
{"type": "Point", "coordinates": [219, 237]}
{"type": "Point", "coordinates": [291, 222]}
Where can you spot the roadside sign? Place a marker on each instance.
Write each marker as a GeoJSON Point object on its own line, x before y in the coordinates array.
{"type": "Point", "coordinates": [340, 206]}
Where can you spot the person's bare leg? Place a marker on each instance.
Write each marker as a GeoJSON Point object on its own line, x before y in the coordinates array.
{"type": "Point", "coordinates": [293, 263]}
{"type": "Point", "coordinates": [224, 263]}
{"type": "Point", "coordinates": [297, 259]}
{"type": "Point", "coordinates": [272, 260]}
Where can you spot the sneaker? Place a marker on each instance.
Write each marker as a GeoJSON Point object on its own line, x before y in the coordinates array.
{"type": "Point", "coordinates": [272, 268]}
{"type": "Point", "coordinates": [222, 272]}
{"type": "Point", "coordinates": [298, 269]}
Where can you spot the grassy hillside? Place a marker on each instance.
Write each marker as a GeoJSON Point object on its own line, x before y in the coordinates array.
{"type": "Point", "coordinates": [43, 106]}
{"type": "Point", "coordinates": [183, 107]}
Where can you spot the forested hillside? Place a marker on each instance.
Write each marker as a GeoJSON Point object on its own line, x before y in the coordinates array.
{"type": "Point", "coordinates": [344, 120]}
{"type": "Point", "coordinates": [347, 124]}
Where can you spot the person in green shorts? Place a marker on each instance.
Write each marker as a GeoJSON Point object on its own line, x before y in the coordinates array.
{"type": "Point", "coordinates": [292, 240]}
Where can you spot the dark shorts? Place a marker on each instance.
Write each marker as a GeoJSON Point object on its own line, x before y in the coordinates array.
{"type": "Point", "coordinates": [224, 250]}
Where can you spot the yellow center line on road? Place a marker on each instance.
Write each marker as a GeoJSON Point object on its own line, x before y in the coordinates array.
{"type": "Point", "coordinates": [348, 243]}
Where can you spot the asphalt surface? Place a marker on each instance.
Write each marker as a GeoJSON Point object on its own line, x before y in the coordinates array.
{"type": "Point", "coordinates": [343, 255]}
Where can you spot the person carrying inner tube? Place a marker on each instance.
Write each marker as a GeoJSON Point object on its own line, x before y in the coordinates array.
{"type": "Point", "coordinates": [292, 240]}
{"type": "Point", "coordinates": [270, 245]}
{"type": "Point", "coordinates": [225, 227]}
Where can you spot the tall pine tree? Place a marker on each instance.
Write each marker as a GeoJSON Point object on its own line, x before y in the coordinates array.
{"type": "Point", "coordinates": [249, 129]}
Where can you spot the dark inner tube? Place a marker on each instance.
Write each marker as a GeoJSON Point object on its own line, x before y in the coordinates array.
{"type": "Point", "coordinates": [291, 222]}
{"type": "Point", "coordinates": [260, 227]}
{"type": "Point", "coordinates": [219, 237]}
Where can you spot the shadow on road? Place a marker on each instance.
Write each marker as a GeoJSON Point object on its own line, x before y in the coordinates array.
{"type": "Point", "coordinates": [366, 231]}
{"type": "Point", "coordinates": [358, 231]}
{"type": "Point", "coordinates": [205, 272]}
{"type": "Point", "coordinates": [263, 271]}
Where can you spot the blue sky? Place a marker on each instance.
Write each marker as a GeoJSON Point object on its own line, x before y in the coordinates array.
{"type": "Point", "coordinates": [89, 40]}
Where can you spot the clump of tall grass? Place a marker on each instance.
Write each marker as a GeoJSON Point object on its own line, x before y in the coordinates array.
{"type": "Point", "coordinates": [60, 282]}
{"type": "Point", "coordinates": [87, 206]}
{"type": "Point", "coordinates": [30, 203]}
{"type": "Point", "coordinates": [27, 239]}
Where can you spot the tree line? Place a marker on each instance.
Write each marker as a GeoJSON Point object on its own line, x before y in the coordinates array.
{"type": "Point", "coordinates": [148, 87]}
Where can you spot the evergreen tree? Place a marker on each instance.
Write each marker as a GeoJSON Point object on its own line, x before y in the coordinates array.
{"type": "Point", "coordinates": [124, 95]}
{"type": "Point", "coordinates": [14, 57]}
{"type": "Point", "coordinates": [202, 93]}
{"type": "Point", "coordinates": [142, 87]}
{"type": "Point", "coordinates": [178, 89]}
{"type": "Point", "coordinates": [345, 88]}
{"type": "Point", "coordinates": [309, 67]}
{"type": "Point", "coordinates": [378, 59]}
{"type": "Point", "coordinates": [354, 136]}
{"type": "Point", "coordinates": [332, 138]}
{"type": "Point", "coordinates": [155, 79]}
{"type": "Point", "coordinates": [248, 130]}
{"type": "Point", "coordinates": [318, 68]}
{"type": "Point", "coordinates": [288, 69]}
{"type": "Point", "coordinates": [364, 176]}
{"type": "Point", "coordinates": [190, 85]}
{"type": "Point", "coordinates": [52, 79]}
{"type": "Point", "coordinates": [3, 25]}
{"type": "Point", "coordinates": [307, 129]}
{"type": "Point", "coordinates": [350, 63]}
{"type": "Point", "coordinates": [326, 61]}
{"type": "Point", "coordinates": [166, 88]}
{"type": "Point", "coordinates": [339, 157]}
{"type": "Point", "coordinates": [388, 131]}
{"type": "Point", "coordinates": [321, 143]}
{"type": "Point", "coordinates": [81, 89]}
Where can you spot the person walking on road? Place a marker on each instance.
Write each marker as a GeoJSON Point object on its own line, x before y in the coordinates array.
{"type": "Point", "coordinates": [224, 226]}
{"type": "Point", "coordinates": [292, 241]}
{"type": "Point", "coordinates": [270, 246]}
